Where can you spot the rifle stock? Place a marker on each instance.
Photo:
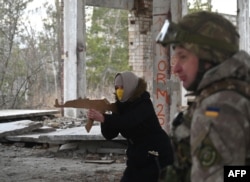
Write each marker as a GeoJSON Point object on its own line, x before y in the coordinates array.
{"type": "Point", "coordinates": [101, 105]}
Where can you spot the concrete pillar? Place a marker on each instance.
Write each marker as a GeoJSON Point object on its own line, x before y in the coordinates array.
{"type": "Point", "coordinates": [161, 65]}
{"type": "Point", "coordinates": [243, 24]}
{"type": "Point", "coordinates": [167, 92]}
{"type": "Point", "coordinates": [74, 53]}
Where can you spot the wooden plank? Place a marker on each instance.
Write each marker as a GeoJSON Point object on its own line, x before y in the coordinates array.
{"type": "Point", "coordinates": [111, 150]}
{"type": "Point", "coordinates": [100, 161]}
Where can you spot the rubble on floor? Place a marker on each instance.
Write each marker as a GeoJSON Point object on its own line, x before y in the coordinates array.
{"type": "Point", "coordinates": [67, 136]}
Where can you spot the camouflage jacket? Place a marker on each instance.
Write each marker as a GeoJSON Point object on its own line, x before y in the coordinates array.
{"type": "Point", "coordinates": [220, 126]}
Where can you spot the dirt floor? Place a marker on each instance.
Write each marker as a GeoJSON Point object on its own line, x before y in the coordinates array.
{"type": "Point", "coordinates": [22, 163]}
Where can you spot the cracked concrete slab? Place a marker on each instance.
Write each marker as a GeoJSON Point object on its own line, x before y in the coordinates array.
{"type": "Point", "coordinates": [6, 114]}
{"type": "Point", "coordinates": [18, 127]}
{"type": "Point", "coordinates": [62, 136]}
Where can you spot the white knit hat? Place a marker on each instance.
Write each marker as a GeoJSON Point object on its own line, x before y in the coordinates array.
{"type": "Point", "coordinates": [129, 81]}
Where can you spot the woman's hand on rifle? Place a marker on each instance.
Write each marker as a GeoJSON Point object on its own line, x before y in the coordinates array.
{"type": "Point", "coordinates": [95, 115]}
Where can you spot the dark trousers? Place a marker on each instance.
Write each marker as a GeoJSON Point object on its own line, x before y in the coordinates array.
{"type": "Point", "coordinates": [145, 174]}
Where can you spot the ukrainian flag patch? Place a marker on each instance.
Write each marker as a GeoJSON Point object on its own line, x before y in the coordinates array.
{"type": "Point", "coordinates": [212, 112]}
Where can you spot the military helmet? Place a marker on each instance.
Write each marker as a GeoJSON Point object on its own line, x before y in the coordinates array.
{"type": "Point", "coordinates": [209, 35]}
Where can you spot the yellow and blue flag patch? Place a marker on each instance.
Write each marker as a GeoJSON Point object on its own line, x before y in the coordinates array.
{"type": "Point", "coordinates": [212, 112]}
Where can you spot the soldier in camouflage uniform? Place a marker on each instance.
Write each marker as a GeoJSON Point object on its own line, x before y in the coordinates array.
{"type": "Point", "coordinates": [213, 69]}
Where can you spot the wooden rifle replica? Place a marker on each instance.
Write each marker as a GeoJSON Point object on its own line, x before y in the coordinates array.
{"type": "Point", "coordinates": [101, 105]}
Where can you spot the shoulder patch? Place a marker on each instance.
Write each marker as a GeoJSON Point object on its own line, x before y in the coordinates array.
{"type": "Point", "coordinates": [212, 112]}
{"type": "Point", "coordinates": [207, 156]}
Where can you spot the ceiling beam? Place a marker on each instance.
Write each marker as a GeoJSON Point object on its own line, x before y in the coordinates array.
{"type": "Point", "coordinates": [116, 4]}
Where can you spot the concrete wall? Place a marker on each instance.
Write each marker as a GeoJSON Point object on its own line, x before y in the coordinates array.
{"type": "Point", "coordinates": [140, 41]}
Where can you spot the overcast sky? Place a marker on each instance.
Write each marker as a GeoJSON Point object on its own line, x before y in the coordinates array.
{"type": "Point", "coordinates": [225, 6]}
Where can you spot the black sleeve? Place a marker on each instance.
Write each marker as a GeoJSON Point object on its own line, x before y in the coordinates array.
{"type": "Point", "coordinates": [107, 130]}
{"type": "Point", "coordinates": [136, 115]}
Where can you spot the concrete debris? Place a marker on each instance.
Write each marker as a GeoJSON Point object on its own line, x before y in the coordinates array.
{"type": "Point", "coordinates": [58, 149]}
{"type": "Point", "coordinates": [69, 146]}
{"type": "Point", "coordinates": [69, 133]}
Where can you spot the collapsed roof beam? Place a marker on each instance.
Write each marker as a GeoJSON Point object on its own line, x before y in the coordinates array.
{"type": "Point", "coordinates": [116, 4]}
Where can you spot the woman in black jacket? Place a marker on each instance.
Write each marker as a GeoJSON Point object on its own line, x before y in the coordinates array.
{"type": "Point", "coordinates": [149, 149]}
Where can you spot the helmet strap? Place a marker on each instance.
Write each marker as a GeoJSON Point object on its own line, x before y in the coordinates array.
{"type": "Point", "coordinates": [199, 75]}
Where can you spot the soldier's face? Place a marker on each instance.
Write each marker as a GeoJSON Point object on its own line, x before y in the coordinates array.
{"type": "Point", "coordinates": [185, 65]}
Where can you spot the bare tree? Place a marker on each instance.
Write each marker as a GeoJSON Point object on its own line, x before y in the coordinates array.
{"type": "Point", "coordinates": [29, 57]}
{"type": "Point", "coordinates": [10, 12]}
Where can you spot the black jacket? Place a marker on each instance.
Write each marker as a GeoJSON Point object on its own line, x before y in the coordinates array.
{"type": "Point", "coordinates": [137, 122]}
